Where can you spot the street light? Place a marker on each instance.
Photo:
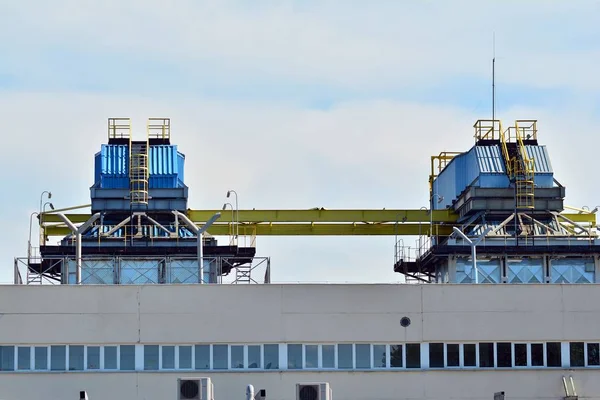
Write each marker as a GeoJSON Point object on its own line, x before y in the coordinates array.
{"type": "Point", "coordinates": [48, 204]}
{"type": "Point", "coordinates": [232, 220]}
{"type": "Point", "coordinates": [29, 241]}
{"type": "Point", "coordinates": [237, 211]}
{"type": "Point", "coordinates": [440, 199]}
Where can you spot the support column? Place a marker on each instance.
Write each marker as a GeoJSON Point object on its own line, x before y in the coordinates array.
{"type": "Point", "coordinates": [596, 269]}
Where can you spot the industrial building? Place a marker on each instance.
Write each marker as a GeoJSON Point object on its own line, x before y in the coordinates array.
{"type": "Point", "coordinates": [139, 300]}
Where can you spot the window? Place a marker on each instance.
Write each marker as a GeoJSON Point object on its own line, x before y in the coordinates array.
{"type": "Point", "coordinates": [254, 360]}
{"type": "Point", "coordinates": [504, 355]}
{"type": "Point", "coordinates": [436, 355]}
{"type": "Point", "coordinates": [537, 355]}
{"type": "Point", "coordinates": [7, 358]}
{"type": "Point", "coordinates": [127, 357]}
{"type": "Point", "coordinates": [396, 356]}
{"type": "Point", "coordinates": [202, 356]}
{"type": "Point", "coordinates": [76, 358]}
{"type": "Point", "coordinates": [294, 352]}
{"type": "Point", "coordinates": [470, 355]}
{"type": "Point", "coordinates": [220, 356]}
{"type": "Point", "coordinates": [24, 358]}
{"type": "Point", "coordinates": [553, 355]}
{"type": "Point", "coordinates": [379, 360]}
{"type": "Point", "coordinates": [110, 357]}
{"type": "Point", "coordinates": [576, 353]}
{"type": "Point", "coordinates": [593, 354]}
{"type": "Point", "coordinates": [520, 355]}
{"type": "Point", "coordinates": [168, 357]}
{"type": "Point", "coordinates": [413, 355]}
{"type": "Point", "coordinates": [486, 355]}
{"type": "Point", "coordinates": [312, 355]}
{"type": "Point", "coordinates": [185, 357]}
{"type": "Point", "coordinates": [271, 356]}
{"type": "Point", "coordinates": [58, 358]}
{"type": "Point", "coordinates": [452, 355]}
{"type": "Point", "coordinates": [237, 356]}
{"type": "Point", "coordinates": [328, 351]}
{"type": "Point", "coordinates": [345, 356]}
{"type": "Point", "coordinates": [151, 357]}
{"type": "Point", "coordinates": [363, 356]}
{"type": "Point", "coordinates": [93, 357]}
{"type": "Point", "coordinates": [41, 358]}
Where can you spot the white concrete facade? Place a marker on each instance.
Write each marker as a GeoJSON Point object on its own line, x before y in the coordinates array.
{"type": "Point", "coordinates": [322, 314]}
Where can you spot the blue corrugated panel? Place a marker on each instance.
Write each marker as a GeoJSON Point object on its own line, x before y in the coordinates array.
{"type": "Point", "coordinates": [445, 185]}
{"type": "Point", "coordinates": [115, 160]}
{"type": "Point", "coordinates": [180, 168]}
{"type": "Point", "coordinates": [163, 167]}
{"type": "Point", "coordinates": [490, 160]}
{"type": "Point", "coordinates": [97, 168]}
{"type": "Point", "coordinates": [541, 159]}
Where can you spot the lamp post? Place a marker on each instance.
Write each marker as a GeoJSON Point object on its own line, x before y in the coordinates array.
{"type": "Point", "coordinates": [440, 199]}
{"type": "Point", "coordinates": [232, 221]}
{"type": "Point", "coordinates": [45, 192]}
{"type": "Point", "coordinates": [237, 211]}
{"type": "Point", "coordinates": [29, 241]}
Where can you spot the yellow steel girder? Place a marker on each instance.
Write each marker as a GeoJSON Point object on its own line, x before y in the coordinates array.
{"type": "Point", "coordinates": [315, 222]}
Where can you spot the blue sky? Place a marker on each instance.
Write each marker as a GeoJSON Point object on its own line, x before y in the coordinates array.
{"type": "Point", "coordinates": [336, 104]}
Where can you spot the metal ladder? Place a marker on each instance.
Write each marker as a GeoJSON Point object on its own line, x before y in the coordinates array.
{"type": "Point", "coordinates": [519, 167]}
{"type": "Point", "coordinates": [138, 172]}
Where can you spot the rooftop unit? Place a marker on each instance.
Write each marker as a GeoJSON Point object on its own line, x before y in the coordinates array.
{"type": "Point", "coordinates": [139, 231]}
{"type": "Point", "coordinates": [506, 197]}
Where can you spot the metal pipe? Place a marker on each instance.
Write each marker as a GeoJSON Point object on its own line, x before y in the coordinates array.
{"type": "Point", "coordinates": [77, 231]}
{"type": "Point", "coordinates": [78, 258]}
{"type": "Point", "coordinates": [29, 241]}
{"type": "Point", "coordinates": [237, 211]}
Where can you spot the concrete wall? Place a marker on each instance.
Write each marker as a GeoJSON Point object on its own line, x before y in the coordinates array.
{"type": "Point", "coordinates": [299, 313]}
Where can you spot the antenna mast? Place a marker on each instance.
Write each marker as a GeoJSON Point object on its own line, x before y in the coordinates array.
{"type": "Point", "coordinates": [494, 80]}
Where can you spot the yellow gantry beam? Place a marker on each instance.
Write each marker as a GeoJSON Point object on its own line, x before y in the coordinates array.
{"type": "Point", "coordinates": [316, 222]}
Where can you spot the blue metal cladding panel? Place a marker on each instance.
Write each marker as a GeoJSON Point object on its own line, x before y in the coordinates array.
{"type": "Point", "coordinates": [97, 168]}
{"type": "Point", "coordinates": [115, 160]}
{"type": "Point", "coordinates": [445, 185]}
{"type": "Point", "coordinates": [180, 168]}
{"type": "Point", "coordinates": [541, 160]}
{"type": "Point", "coordinates": [163, 167]}
{"type": "Point", "coordinates": [489, 159]}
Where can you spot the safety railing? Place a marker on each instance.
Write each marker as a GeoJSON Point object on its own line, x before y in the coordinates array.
{"type": "Point", "coordinates": [142, 270]}
{"type": "Point", "coordinates": [488, 129]}
{"type": "Point", "coordinates": [119, 128]}
{"type": "Point", "coordinates": [159, 128]}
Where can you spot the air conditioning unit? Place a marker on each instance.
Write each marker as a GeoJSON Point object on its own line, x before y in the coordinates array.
{"type": "Point", "coordinates": [313, 391]}
{"type": "Point", "coordinates": [195, 389]}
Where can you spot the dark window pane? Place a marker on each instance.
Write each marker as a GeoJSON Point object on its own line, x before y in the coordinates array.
{"type": "Point", "coordinates": [168, 357]}
{"type": "Point", "coordinates": [504, 355]}
{"type": "Point", "coordinates": [127, 357]}
{"type": "Point", "coordinates": [593, 355]}
{"type": "Point", "coordinates": [328, 351]}
{"type": "Point", "coordinates": [452, 355]}
{"type": "Point", "coordinates": [311, 355]}
{"type": "Point", "coordinates": [436, 355]}
{"type": "Point", "coordinates": [521, 355]}
{"type": "Point", "coordinates": [553, 354]}
{"type": "Point", "coordinates": [24, 358]}
{"type": "Point", "coordinates": [413, 355]}
{"type": "Point", "coordinates": [379, 356]}
{"type": "Point", "coordinates": [396, 356]}
{"type": "Point", "coordinates": [254, 360]}
{"type": "Point", "coordinates": [202, 356]}
{"type": "Point", "coordinates": [237, 357]}
{"type": "Point", "coordinates": [93, 357]}
{"type": "Point", "coordinates": [150, 357]}
{"type": "Point", "coordinates": [220, 356]}
{"type": "Point", "coordinates": [41, 358]}
{"type": "Point", "coordinates": [537, 355]}
{"type": "Point", "coordinates": [363, 356]}
{"type": "Point", "coordinates": [470, 355]}
{"type": "Point", "coordinates": [185, 357]}
{"type": "Point", "coordinates": [577, 358]}
{"type": "Point", "coordinates": [271, 356]}
{"type": "Point", "coordinates": [7, 358]}
{"type": "Point", "coordinates": [110, 357]}
{"type": "Point", "coordinates": [345, 356]}
{"type": "Point", "coordinates": [58, 358]}
{"type": "Point", "coordinates": [294, 356]}
{"type": "Point", "coordinates": [486, 355]}
{"type": "Point", "coordinates": [76, 358]}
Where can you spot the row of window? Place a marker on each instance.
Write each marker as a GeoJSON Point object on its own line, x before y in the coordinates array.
{"type": "Point", "coordinates": [298, 356]}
